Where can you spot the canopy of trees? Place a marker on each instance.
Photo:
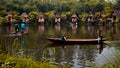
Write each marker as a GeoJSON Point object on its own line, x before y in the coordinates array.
{"type": "Point", "coordinates": [33, 7]}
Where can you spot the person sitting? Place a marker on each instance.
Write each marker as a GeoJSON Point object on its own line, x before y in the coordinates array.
{"type": "Point", "coordinates": [16, 28]}
{"type": "Point", "coordinates": [63, 37]}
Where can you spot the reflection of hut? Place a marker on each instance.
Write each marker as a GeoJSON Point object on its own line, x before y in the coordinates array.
{"type": "Point", "coordinates": [25, 17]}
{"type": "Point", "coordinates": [41, 17]}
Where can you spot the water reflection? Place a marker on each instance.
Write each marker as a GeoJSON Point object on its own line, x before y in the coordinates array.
{"type": "Point", "coordinates": [27, 28]}
{"type": "Point", "coordinates": [75, 55]}
{"type": "Point", "coordinates": [15, 45]}
{"type": "Point", "coordinates": [48, 55]}
{"type": "Point", "coordinates": [74, 29]}
{"type": "Point", "coordinates": [100, 48]}
{"type": "Point", "coordinates": [113, 32]}
{"type": "Point", "coordinates": [57, 28]}
{"type": "Point", "coordinates": [90, 28]}
{"type": "Point", "coordinates": [57, 19]}
{"type": "Point", "coordinates": [10, 29]}
{"type": "Point", "coordinates": [41, 29]}
{"type": "Point", "coordinates": [78, 55]}
{"type": "Point", "coordinates": [110, 55]}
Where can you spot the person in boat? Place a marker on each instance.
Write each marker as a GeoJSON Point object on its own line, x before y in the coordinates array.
{"type": "Point", "coordinates": [41, 19]}
{"type": "Point", "coordinates": [90, 19]}
{"type": "Point", "coordinates": [100, 36]}
{"type": "Point", "coordinates": [63, 37]}
{"type": "Point", "coordinates": [102, 18]}
{"type": "Point", "coordinates": [17, 27]}
{"type": "Point", "coordinates": [10, 22]}
{"type": "Point", "coordinates": [114, 18]}
{"type": "Point", "coordinates": [22, 27]}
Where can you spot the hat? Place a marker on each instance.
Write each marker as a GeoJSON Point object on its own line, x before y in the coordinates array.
{"type": "Point", "coordinates": [65, 33]}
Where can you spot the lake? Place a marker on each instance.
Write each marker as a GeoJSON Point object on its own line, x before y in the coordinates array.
{"type": "Point", "coordinates": [37, 47]}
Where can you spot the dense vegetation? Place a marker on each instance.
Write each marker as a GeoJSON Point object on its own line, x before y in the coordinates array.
{"type": "Point", "coordinates": [49, 7]}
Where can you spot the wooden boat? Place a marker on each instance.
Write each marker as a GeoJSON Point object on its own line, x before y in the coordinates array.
{"type": "Point", "coordinates": [75, 41]}
{"type": "Point", "coordinates": [16, 34]}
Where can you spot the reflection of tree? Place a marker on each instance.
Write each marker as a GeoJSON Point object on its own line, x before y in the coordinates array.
{"type": "Point", "coordinates": [83, 56]}
{"type": "Point", "coordinates": [15, 46]}
{"type": "Point", "coordinates": [114, 32]}
{"type": "Point", "coordinates": [90, 31]}
{"type": "Point", "coordinates": [56, 53]}
{"type": "Point", "coordinates": [48, 55]}
{"type": "Point", "coordinates": [109, 56]}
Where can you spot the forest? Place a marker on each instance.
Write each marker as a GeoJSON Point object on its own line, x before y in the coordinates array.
{"type": "Point", "coordinates": [50, 7]}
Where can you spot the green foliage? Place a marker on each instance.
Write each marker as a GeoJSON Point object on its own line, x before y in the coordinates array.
{"type": "Point", "coordinates": [107, 66]}
{"type": "Point", "coordinates": [11, 61]}
{"type": "Point", "coordinates": [3, 12]}
{"type": "Point", "coordinates": [1, 20]}
{"type": "Point", "coordinates": [33, 15]}
{"type": "Point", "coordinates": [108, 8]}
{"type": "Point", "coordinates": [49, 7]}
{"type": "Point", "coordinates": [117, 5]}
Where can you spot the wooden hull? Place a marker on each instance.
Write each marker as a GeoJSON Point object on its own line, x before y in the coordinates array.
{"type": "Point", "coordinates": [18, 34]}
{"type": "Point", "coordinates": [75, 41]}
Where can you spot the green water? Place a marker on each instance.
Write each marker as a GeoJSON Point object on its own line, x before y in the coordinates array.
{"type": "Point", "coordinates": [35, 46]}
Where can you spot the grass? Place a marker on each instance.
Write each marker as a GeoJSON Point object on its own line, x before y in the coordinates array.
{"type": "Point", "coordinates": [7, 61]}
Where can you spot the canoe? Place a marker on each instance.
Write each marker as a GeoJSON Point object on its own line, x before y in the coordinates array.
{"type": "Point", "coordinates": [75, 41]}
{"type": "Point", "coordinates": [16, 34]}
